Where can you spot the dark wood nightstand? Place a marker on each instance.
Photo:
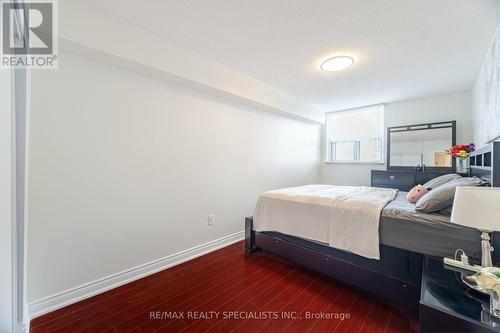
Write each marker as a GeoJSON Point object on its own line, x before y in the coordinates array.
{"type": "Point", "coordinates": [448, 305]}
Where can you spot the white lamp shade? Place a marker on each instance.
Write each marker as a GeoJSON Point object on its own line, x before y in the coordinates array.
{"type": "Point", "coordinates": [477, 207]}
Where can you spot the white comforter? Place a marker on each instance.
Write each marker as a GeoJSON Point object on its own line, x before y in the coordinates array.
{"type": "Point", "coordinates": [345, 217]}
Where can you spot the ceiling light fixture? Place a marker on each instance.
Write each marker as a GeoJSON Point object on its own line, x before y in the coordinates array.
{"type": "Point", "coordinates": [337, 63]}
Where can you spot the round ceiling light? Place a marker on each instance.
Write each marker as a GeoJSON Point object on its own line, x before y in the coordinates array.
{"type": "Point", "coordinates": [337, 63]}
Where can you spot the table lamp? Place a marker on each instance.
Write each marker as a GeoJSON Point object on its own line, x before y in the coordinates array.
{"type": "Point", "coordinates": [479, 208]}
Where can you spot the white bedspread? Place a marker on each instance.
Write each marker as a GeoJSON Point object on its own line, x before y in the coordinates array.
{"type": "Point", "coordinates": [345, 217]}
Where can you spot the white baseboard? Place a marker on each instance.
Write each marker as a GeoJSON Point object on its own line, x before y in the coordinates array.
{"type": "Point", "coordinates": [22, 328]}
{"type": "Point", "coordinates": [73, 295]}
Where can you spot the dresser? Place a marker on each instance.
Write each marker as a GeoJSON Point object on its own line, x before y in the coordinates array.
{"type": "Point", "coordinates": [402, 180]}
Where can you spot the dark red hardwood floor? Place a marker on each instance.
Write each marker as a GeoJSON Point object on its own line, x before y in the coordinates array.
{"type": "Point", "coordinates": [227, 283]}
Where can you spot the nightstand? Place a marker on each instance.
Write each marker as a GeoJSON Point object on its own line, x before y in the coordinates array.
{"type": "Point", "coordinates": [448, 305]}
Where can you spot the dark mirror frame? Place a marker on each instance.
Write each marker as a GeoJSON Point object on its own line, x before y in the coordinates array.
{"type": "Point", "coordinates": [419, 127]}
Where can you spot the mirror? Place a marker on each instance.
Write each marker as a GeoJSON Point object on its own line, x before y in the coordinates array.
{"type": "Point", "coordinates": [416, 145]}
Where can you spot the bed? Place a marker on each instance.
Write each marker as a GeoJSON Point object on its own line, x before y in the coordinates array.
{"type": "Point", "coordinates": [430, 234]}
{"type": "Point", "coordinates": [405, 236]}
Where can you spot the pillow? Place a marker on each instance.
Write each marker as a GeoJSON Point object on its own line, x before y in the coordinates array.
{"type": "Point", "coordinates": [441, 180]}
{"type": "Point", "coordinates": [447, 211]}
{"type": "Point", "coordinates": [442, 197]}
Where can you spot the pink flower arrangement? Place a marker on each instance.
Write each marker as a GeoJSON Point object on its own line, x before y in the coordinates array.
{"type": "Point", "coordinates": [462, 151]}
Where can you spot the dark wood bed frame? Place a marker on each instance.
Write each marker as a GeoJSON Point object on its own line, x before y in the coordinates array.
{"type": "Point", "coordinates": [355, 270]}
{"type": "Point", "coordinates": [393, 289]}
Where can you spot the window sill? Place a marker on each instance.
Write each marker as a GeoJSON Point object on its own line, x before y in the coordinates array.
{"type": "Point", "coordinates": [355, 162]}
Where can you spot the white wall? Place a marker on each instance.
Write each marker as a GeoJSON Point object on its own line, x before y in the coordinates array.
{"type": "Point", "coordinates": [486, 95]}
{"type": "Point", "coordinates": [125, 169]}
{"type": "Point", "coordinates": [87, 28]}
{"type": "Point", "coordinates": [455, 106]}
{"type": "Point", "coordinates": [6, 201]}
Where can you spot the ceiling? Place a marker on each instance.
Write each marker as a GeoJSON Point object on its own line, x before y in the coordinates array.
{"type": "Point", "coordinates": [403, 48]}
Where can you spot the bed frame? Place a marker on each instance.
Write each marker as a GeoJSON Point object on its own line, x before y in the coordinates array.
{"type": "Point", "coordinates": [396, 277]}
{"type": "Point", "coordinates": [485, 163]}
{"type": "Point", "coordinates": [347, 267]}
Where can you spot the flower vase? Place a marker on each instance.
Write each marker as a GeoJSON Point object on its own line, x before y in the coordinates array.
{"type": "Point", "coordinates": [462, 165]}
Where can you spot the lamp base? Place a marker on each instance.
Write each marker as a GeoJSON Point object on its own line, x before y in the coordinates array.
{"type": "Point", "coordinates": [486, 249]}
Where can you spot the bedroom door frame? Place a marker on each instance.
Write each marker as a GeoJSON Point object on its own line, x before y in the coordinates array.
{"type": "Point", "coordinates": [21, 118]}
{"type": "Point", "coordinates": [13, 124]}
{"type": "Point", "coordinates": [14, 120]}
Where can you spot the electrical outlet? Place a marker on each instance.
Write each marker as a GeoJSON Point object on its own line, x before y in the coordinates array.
{"type": "Point", "coordinates": [211, 219]}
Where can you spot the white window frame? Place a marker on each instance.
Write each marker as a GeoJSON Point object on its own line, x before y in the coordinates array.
{"type": "Point", "coordinates": [330, 145]}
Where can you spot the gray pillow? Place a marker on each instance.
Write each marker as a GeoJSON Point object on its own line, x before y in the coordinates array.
{"type": "Point", "coordinates": [442, 197]}
{"type": "Point", "coordinates": [447, 211]}
{"type": "Point", "coordinates": [441, 180]}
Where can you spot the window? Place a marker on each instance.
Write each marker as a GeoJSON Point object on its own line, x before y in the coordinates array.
{"type": "Point", "coordinates": [356, 135]}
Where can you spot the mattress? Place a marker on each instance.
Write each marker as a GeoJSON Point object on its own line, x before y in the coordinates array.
{"type": "Point", "coordinates": [345, 217]}
{"type": "Point", "coordinates": [400, 227]}
{"type": "Point", "coordinates": [432, 234]}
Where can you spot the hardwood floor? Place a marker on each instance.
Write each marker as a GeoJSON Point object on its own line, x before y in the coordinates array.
{"type": "Point", "coordinates": [227, 284]}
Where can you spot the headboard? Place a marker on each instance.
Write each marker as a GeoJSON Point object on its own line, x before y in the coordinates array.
{"type": "Point", "coordinates": [485, 163]}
